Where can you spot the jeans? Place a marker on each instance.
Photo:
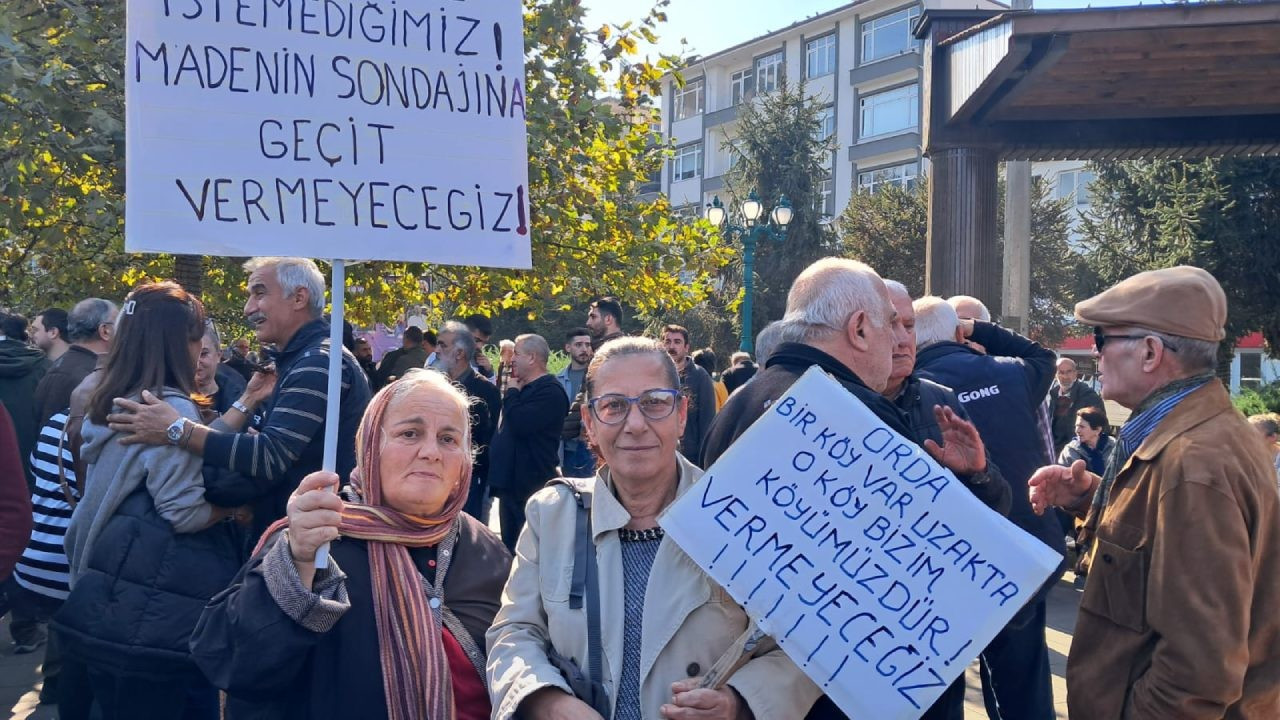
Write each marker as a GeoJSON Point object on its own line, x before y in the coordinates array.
{"type": "Point", "coordinates": [579, 461]}
{"type": "Point", "coordinates": [477, 505]}
{"type": "Point", "coordinates": [1016, 682]}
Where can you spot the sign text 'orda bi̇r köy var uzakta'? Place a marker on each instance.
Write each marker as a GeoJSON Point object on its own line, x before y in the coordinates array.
{"type": "Point", "coordinates": [876, 570]}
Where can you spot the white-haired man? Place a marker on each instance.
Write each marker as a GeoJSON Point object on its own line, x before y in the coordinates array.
{"type": "Point", "coordinates": [285, 307]}
{"type": "Point", "coordinates": [840, 318]}
{"type": "Point", "coordinates": [455, 348]}
{"type": "Point", "coordinates": [1182, 532]}
{"type": "Point", "coordinates": [1004, 390]}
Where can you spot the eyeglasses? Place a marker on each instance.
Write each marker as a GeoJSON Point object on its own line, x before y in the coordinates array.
{"type": "Point", "coordinates": [654, 404]}
{"type": "Point", "coordinates": [1100, 339]}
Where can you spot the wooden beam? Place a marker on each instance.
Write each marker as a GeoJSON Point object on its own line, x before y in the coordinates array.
{"type": "Point", "coordinates": [1040, 60]}
{"type": "Point", "coordinates": [1007, 71]}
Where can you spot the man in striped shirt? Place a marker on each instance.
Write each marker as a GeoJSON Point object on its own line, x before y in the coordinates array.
{"type": "Point", "coordinates": [285, 305]}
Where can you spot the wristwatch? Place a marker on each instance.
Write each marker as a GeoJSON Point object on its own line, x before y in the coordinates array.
{"type": "Point", "coordinates": [174, 432]}
{"type": "Point", "coordinates": [241, 407]}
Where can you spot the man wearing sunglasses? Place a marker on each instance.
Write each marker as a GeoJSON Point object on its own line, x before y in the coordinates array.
{"type": "Point", "coordinates": [1182, 531]}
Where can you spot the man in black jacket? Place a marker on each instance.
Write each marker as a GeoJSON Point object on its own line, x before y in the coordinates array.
{"type": "Point", "coordinates": [917, 398]}
{"type": "Point", "coordinates": [1003, 390]}
{"type": "Point", "coordinates": [89, 327]}
{"type": "Point", "coordinates": [455, 346]}
{"type": "Point", "coordinates": [1069, 396]}
{"type": "Point", "coordinates": [841, 310]}
{"type": "Point", "coordinates": [526, 446]}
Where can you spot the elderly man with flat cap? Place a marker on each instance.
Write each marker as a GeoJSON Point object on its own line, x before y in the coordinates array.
{"type": "Point", "coordinates": [1180, 616]}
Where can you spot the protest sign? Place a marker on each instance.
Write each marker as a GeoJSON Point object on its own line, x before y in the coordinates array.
{"type": "Point", "coordinates": [370, 130]}
{"type": "Point", "coordinates": [877, 572]}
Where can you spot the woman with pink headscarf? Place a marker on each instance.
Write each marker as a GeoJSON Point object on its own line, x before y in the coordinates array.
{"type": "Point", "coordinates": [394, 626]}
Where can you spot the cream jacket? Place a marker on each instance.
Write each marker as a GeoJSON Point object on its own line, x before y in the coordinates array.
{"type": "Point", "coordinates": [688, 623]}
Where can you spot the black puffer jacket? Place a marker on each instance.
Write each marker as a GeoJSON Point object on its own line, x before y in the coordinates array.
{"type": "Point", "coordinates": [143, 590]}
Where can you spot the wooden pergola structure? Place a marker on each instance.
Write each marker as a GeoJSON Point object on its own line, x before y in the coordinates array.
{"type": "Point", "coordinates": [1185, 81]}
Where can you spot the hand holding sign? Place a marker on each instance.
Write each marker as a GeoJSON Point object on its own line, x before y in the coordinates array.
{"type": "Point", "coordinates": [877, 572]}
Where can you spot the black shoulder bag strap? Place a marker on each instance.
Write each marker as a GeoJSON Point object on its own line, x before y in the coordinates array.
{"type": "Point", "coordinates": [585, 585]}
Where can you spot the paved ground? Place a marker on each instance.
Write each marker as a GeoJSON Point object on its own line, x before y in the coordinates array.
{"type": "Point", "coordinates": [20, 674]}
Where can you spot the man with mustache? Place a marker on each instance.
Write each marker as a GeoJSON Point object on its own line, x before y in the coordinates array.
{"type": "Point", "coordinates": [285, 307]}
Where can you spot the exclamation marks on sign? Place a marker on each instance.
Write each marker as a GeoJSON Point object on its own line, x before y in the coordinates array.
{"type": "Point", "coordinates": [524, 224]}
{"type": "Point", "coordinates": [497, 43]}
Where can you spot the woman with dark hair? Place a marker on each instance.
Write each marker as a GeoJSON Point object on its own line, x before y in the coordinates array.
{"type": "Point", "coordinates": [145, 546]}
{"type": "Point", "coordinates": [1092, 444]}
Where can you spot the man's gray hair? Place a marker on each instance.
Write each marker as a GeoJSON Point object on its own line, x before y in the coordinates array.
{"type": "Point", "coordinates": [897, 287]}
{"type": "Point", "coordinates": [86, 317]}
{"type": "Point", "coordinates": [955, 301]}
{"type": "Point", "coordinates": [827, 293]}
{"type": "Point", "coordinates": [773, 335]}
{"type": "Point", "coordinates": [535, 345]}
{"type": "Point", "coordinates": [1193, 356]}
{"type": "Point", "coordinates": [936, 321]}
{"type": "Point", "coordinates": [293, 273]}
{"type": "Point", "coordinates": [462, 337]}
{"type": "Point", "coordinates": [211, 332]}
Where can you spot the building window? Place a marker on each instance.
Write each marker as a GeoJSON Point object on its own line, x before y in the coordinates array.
{"type": "Point", "coordinates": [824, 200]}
{"type": "Point", "coordinates": [826, 126]}
{"type": "Point", "coordinates": [744, 85]}
{"type": "Point", "coordinates": [889, 35]}
{"type": "Point", "coordinates": [687, 163]}
{"type": "Point", "coordinates": [1250, 370]}
{"type": "Point", "coordinates": [769, 72]}
{"type": "Point", "coordinates": [689, 99]}
{"type": "Point", "coordinates": [890, 111]}
{"type": "Point", "coordinates": [820, 56]}
{"type": "Point", "coordinates": [1074, 184]}
{"type": "Point", "coordinates": [904, 176]}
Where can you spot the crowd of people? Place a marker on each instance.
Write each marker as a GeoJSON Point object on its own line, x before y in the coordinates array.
{"type": "Point", "coordinates": [164, 505]}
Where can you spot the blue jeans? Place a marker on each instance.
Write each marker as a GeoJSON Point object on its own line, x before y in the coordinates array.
{"type": "Point", "coordinates": [579, 462]}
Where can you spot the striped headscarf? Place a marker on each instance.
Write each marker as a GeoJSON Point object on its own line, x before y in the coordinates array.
{"type": "Point", "coordinates": [415, 670]}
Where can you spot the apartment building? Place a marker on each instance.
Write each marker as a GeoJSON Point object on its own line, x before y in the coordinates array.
{"type": "Point", "coordinates": [860, 60]}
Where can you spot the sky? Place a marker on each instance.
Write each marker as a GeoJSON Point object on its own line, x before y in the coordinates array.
{"type": "Point", "coordinates": [713, 25]}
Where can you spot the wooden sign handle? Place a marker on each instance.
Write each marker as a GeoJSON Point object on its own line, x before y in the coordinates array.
{"type": "Point", "coordinates": [734, 657]}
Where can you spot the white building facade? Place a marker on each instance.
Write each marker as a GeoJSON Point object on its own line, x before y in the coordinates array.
{"type": "Point", "coordinates": [859, 60]}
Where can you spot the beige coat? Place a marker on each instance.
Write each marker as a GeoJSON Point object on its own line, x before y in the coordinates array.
{"type": "Point", "coordinates": [689, 620]}
{"type": "Point", "coordinates": [1180, 618]}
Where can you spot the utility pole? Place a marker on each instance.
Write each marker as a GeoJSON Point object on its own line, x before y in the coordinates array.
{"type": "Point", "coordinates": [1016, 295]}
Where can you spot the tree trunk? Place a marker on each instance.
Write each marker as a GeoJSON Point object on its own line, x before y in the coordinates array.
{"type": "Point", "coordinates": [188, 271]}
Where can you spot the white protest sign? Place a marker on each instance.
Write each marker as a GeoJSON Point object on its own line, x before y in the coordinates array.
{"type": "Point", "coordinates": [364, 130]}
{"type": "Point", "coordinates": [878, 572]}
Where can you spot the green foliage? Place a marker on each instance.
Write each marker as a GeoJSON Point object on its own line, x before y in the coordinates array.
{"type": "Point", "coordinates": [778, 152]}
{"type": "Point", "coordinates": [1265, 399]}
{"type": "Point", "coordinates": [62, 154]}
{"type": "Point", "coordinates": [888, 230]}
{"type": "Point", "coordinates": [1222, 215]}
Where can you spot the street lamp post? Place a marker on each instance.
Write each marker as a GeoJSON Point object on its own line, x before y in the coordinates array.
{"type": "Point", "coordinates": [751, 229]}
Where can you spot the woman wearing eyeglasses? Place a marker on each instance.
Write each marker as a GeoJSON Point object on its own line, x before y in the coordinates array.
{"type": "Point", "coordinates": [661, 620]}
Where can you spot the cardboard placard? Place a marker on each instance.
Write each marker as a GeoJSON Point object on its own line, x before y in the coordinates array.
{"type": "Point", "coordinates": [369, 130]}
{"type": "Point", "coordinates": [874, 568]}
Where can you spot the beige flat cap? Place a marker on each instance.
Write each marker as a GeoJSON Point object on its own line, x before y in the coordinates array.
{"type": "Point", "coordinates": [1184, 301]}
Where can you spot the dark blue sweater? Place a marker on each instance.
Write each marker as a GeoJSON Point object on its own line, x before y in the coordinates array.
{"type": "Point", "coordinates": [1002, 391]}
